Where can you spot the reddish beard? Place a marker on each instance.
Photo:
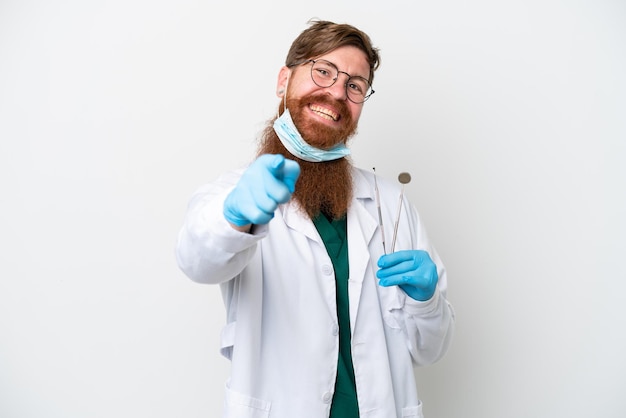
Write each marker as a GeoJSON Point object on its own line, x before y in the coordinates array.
{"type": "Point", "coordinates": [316, 133]}
{"type": "Point", "coordinates": [323, 187]}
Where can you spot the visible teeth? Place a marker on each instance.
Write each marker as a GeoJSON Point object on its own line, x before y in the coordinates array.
{"type": "Point", "coordinates": [325, 113]}
{"type": "Point", "coordinates": [325, 116]}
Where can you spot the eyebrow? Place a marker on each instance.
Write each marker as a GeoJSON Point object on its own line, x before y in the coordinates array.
{"type": "Point", "coordinates": [337, 67]}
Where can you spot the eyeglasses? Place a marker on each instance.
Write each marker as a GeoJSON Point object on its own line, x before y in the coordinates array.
{"type": "Point", "coordinates": [325, 74]}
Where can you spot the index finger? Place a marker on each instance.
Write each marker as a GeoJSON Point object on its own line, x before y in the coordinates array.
{"type": "Point", "coordinates": [291, 172]}
{"type": "Point", "coordinates": [394, 258]}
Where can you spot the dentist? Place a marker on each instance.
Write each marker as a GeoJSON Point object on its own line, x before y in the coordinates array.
{"type": "Point", "coordinates": [320, 321]}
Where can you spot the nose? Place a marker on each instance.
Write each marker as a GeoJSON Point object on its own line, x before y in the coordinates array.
{"type": "Point", "coordinates": [338, 89]}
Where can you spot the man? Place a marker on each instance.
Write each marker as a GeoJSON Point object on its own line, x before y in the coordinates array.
{"type": "Point", "coordinates": [322, 319]}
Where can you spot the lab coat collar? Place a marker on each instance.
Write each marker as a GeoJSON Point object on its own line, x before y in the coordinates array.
{"type": "Point", "coordinates": [295, 219]}
{"type": "Point", "coordinates": [363, 188]}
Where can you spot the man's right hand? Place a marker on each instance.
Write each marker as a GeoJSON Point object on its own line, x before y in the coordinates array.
{"type": "Point", "coordinates": [268, 181]}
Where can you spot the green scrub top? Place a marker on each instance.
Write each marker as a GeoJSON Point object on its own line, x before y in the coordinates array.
{"type": "Point", "coordinates": [335, 236]}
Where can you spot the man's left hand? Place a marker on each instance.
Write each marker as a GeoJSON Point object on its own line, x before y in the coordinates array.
{"type": "Point", "coordinates": [412, 270]}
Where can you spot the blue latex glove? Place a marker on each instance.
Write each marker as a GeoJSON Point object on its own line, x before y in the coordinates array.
{"type": "Point", "coordinates": [269, 181]}
{"type": "Point", "coordinates": [412, 270]}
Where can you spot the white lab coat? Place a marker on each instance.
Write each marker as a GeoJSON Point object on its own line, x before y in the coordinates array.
{"type": "Point", "coordinates": [278, 287]}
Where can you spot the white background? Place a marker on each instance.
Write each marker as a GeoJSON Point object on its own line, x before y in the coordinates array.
{"type": "Point", "coordinates": [510, 116]}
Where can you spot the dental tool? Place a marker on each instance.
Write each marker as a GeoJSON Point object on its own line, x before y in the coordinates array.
{"type": "Point", "coordinates": [380, 216]}
{"type": "Point", "coordinates": [403, 178]}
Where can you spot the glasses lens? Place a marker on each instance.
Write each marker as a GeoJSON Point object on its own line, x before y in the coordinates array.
{"type": "Point", "coordinates": [358, 89]}
{"type": "Point", "coordinates": [324, 73]}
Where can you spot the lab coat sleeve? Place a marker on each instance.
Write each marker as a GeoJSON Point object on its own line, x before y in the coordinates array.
{"type": "Point", "coordinates": [429, 325]}
{"type": "Point", "coordinates": [208, 249]}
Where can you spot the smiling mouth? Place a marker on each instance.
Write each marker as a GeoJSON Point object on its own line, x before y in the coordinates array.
{"type": "Point", "coordinates": [324, 113]}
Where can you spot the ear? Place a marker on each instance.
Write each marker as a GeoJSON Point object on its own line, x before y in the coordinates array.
{"type": "Point", "coordinates": [281, 84]}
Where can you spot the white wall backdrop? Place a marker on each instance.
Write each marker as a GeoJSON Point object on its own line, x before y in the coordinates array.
{"type": "Point", "coordinates": [510, 116]}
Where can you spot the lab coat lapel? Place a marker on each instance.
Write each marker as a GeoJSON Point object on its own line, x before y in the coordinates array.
{"type": "Point", "coordinates": [302, 224]}
{"type": "Point", "coordinates": [295, 220]}
{"type": "Point", "coordinates": [361, 228]}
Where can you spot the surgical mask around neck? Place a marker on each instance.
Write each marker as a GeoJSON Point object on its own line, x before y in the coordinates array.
{"type": "Point", "coordinates": [297, 146]}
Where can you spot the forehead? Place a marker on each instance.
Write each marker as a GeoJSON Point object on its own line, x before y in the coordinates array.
{"type": "Point", "coordinates": [349, 59]}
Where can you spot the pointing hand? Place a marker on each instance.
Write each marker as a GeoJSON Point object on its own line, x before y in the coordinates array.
{"type": "Point", "coordinates": [269, 181]}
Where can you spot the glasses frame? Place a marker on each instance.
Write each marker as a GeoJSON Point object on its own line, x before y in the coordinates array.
{"type": "Point", "coordinates": [312, 62]}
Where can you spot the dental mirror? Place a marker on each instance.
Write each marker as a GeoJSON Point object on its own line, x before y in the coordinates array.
{"type": "Point", "coordinates": [403, 178]}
